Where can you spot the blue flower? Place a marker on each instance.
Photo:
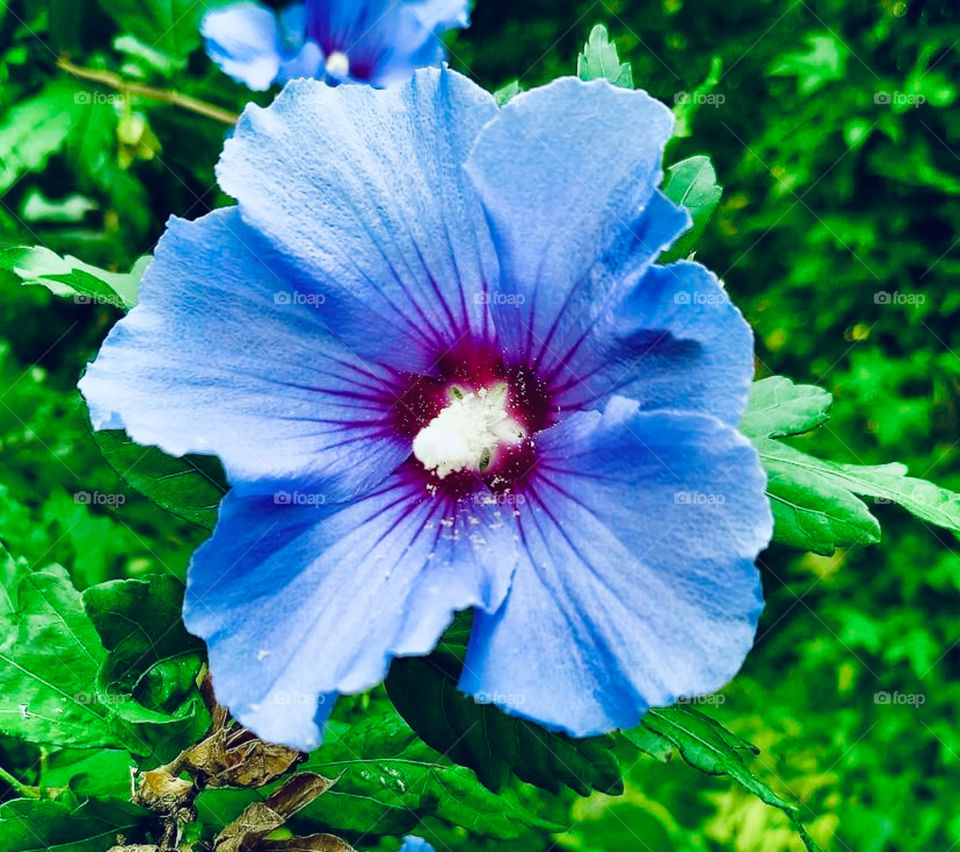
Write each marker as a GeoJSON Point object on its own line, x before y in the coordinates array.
{"type": "Point", "coordinates": [415, 844]}
{"type": "Point", "coordinates": [434, 351]}
{"type": "Point", "coordinates": [374, 41]}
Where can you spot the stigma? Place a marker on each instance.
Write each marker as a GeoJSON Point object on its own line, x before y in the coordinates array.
{"type": "Point", "coordinates": [338, 65]}
{"type": "Point", "coordinates": [468, 433]}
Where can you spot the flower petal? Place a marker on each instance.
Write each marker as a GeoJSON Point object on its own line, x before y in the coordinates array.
{"type": "Point", "coordinates": [230, 352]}
{"type": "Point", "coordinates": [386, 40]}
{"type": "Point", "coordinates": [242, 39]}
{"type": "Point", "coordinates": [415, 844]}
{"type": "Point", "coordinates": [565, 173]}
{"type": "Point", "coordinates": [364, 190]}
{"type": "Point", "coordinates": [638, 583]}
{"type": "Point", "coordinates": [674, 342]}
{"type": "Point", "coordinates": [304, 599]}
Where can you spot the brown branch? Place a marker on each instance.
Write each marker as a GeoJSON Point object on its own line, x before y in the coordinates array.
{"type": "Point", "coordinates": [166, 96]}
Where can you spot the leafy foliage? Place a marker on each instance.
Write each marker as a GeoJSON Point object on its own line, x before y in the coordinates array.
{"type": "Point", "coordinates": [833, 131]}
{"type": "Point", "coordinates": [600, 60]}
{"type": "Point", "coordinates": [706, 745]}
{"type": "Point", "coordinates": [66, 684]}
{"type": "Point", "coordinates": [483, 737]}
{"type": "Point", "coordinates": [190, 486]}
{"type": "Point", "coordinates": [68, 276]}
{"type": "Point", "coordinates": [387, 774]}
{"type": "Point", "coordinates": [692, 183]}
{"type": "Point", "coordinates": [30, 825]}
{"type": "Point", "coordinates": [813, 500]}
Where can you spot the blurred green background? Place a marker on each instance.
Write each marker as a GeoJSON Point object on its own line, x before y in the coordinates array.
{"type": "Point", "coordinates": [835, 130]}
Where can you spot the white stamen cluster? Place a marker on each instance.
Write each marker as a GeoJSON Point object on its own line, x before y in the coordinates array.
{"type": "Point", "coordinates": [468, 432]}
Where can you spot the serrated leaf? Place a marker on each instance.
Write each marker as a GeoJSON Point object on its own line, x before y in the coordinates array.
{"type": "Point", "coordinates": [815, 508]}
{"type": "Point", "coordinates": [35, 129]}
{"type": "Point", "coordinates": [189, 486]}
{"type": "Point", "coordinates": [706, 745]}
{"type": "Point", "coordinates": [692, 183]}
{"type": "Point", "coordinates": [809, 511]}
{"type": "Point", "coordinates": [68, 276]}
{"type": "Point", "coordinates": [600, 60]}
{"type": "Point", "coordinates": [387, 777]}
{"type": "Point", "coordinates": [483, 737]}
{"type": "Point", "coordinates": [778, 408]}
{"type": "Point", "coordinates": [37, 825]}
{"type": "Point", "coordinates": [814, 502]}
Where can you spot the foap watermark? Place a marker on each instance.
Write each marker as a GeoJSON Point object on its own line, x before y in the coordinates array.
{"type": "Point", "coordinates": [298, 698]}
{"type": "Point", "coordinates": [91, 98]}
{"type": "Point", "coordinates": [715, 698]}
{"type": "Point", "coordinates": [501, 699]}
{"type": "Point", "coordinates": [295, 297]}
{"type": "Point", "coordinates": [298, 498]}
{"type": "Point", "coordinates": [98, 498]}
{"type": "Point", "coordinates": [714, 99]}
{"type": "Point", "coordinates": [899, 99]}
{"type": "Point", "coordinates": [909, 699]}
{"type": "Point", "coordinates": [98, 299]}
{"type": "Point", "coordinates": [508, 498]}
{"type": "Point", "coordinates": [885, 297]}
{"type": "Point", "coordinates": [108, 699]}
{"type": "Point", "coordinates": [696, 498]}
{"type": "Point", "coordinates": [513, 300]}
{"type": "Point", "coordinates": [695, 297]}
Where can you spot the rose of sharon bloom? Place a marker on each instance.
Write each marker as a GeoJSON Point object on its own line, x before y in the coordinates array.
{"type": "Point", "coordinates": [368, 41]}
{"type": "Point", "coordinates": [434, 351]}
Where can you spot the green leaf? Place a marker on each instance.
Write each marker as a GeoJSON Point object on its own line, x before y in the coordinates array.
{"type": "Point", "coordinates": [150, 658]}
{"type": "Point", "coordinates": [388, 778]}
{"type": "Point", "coordinates": [101, 773]}
{"type": "Point", "coordinates": [600, 60]}
{"type": "Point", "coordinates": [814, 505]}
{"type": "Point", "coordinates": [692, 183]}
{"type": "Point", "coordinates": [67, 276]}
{"type": "Point", "coordinates": [35, 129]}
{"type": "Point", "coordinates": [778, 408]}
{"type": "Point", "coordinates": [190, 486]}
{"type": "Point", "coordinates": [484, 738]}
{"type": "Point", "coordinates": [52, 665]}
{"type": "Point", "coordinates": [814, 501]}
{"type": "Point", "coordinates": [506, 93]}
{"type": "Point", "coordinates": [809, 511]}
{"type": "Point", "coordinates": [49, 657]}
{"type": "Point", "coordinates": [169, 26]}
{"type": "Point", "coordinates": [706, 745]}
{"type": "Point", "coordinates": [36, 825]}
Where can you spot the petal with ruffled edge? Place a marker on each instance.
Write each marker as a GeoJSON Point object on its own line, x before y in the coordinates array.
{"type": "Point", "coordinates": [636, 582]}
{"type": "Point", "coordinates": [566, 173]}
{"type": "Point", "coordinates": [301, 600]}
{"type": "Point", "coordinates": [244, 40]}
{"type": "Point", "coordinates": [364, 190]}
{"type": "Point", "coordinates": [232, 352]}
{"type": "Point", "coordinates": [675, 342]}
